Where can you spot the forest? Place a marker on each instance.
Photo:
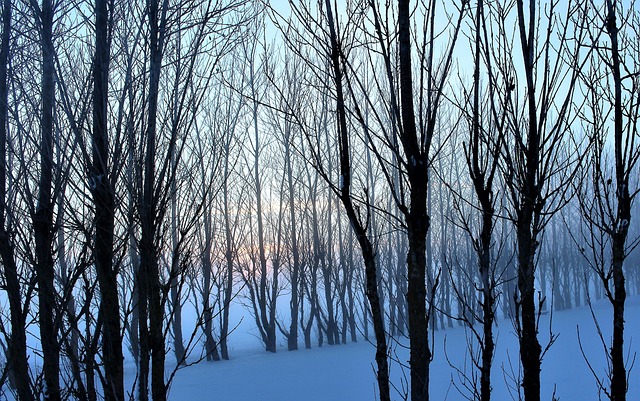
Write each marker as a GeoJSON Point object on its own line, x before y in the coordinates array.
{"type": "Point", "coordinates": [341, 170]}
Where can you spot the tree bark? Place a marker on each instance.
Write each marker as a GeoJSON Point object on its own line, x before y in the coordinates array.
{"type": "Point", "coordinates": [17, 344]}
{"type": "Point", "coordinates": [265, 307]}
{"type": "Point", "coordinates": [151, 303]}
{"type": "Point", "coordinates": [368, 253]}
{"type": "Point", "coordinates": [102, 188]}
{"type": "Point", "coordinates": [292, 338]}
{"type": "Point", "coordinates": [43, 214]}
{"type": "Point", "coordinates": [482, 173]}
{"type": "Point", "coordinates": [530, 349]}
{"type": "Point", "coordinates": [175, 283]}
{"type": "Point", "coordinates": [623, 215]}
{"type": "Point", "coordinates": [228, 255]}
{"type": "Point", "coordinates": [211, 349]}
{"type": "Point", "coordinates": [416, 218]}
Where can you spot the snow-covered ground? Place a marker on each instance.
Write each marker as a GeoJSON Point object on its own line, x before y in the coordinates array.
{"type": "Point", "coordinates": [345, 372]}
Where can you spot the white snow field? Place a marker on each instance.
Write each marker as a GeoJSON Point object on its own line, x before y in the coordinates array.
{"type": "Point", "coordinates": [345, 372]}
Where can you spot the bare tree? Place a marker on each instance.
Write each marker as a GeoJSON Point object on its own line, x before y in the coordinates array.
{"type": "Point", "coordinates": [261, 272]}
{"type": "Point", "coordinates": [482, 153]}
{"type": "Point", "coordinates": [343, 191]}
{"type": "Point", "coordinates": [161, 150]}
{"type": "Point", "coordinates": [42, 210]}
{"type": "Point", "coordinates": [611, 84]}
{"type": "Point", "coordinates": [410, 140]}
{"type": "Point", "coordinates": [102, 183]}
{"type": "Point", "coordinates": [284, 129]}
{"type": "Point", "coordinates": [220, 133]}
{"type": "Point", "coordinates": [206, 245]}
{"type": "Point", "coordinates": [329, 45]}
{"type": "Point", "coordinates": [16, 362]}
{"type": "Point", "coordinates": [398, 135]}
{"type": "Point", "coordinates": [309, 271]}
{"type": "Point", "coordinates": [535, 169]}
{"type": "Point", "coordinates": [230, 226]}
{"type": "Point", "coordinates": [148, 280]}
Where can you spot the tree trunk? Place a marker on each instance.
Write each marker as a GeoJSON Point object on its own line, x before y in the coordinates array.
{"type": "Point", "coordinates": [134, 328]}
{"type": "Point", "coordinates": [151, 297]}
{"type": "Point", "coordinates": [209, 344]}
{"type": "Point", "coordinates": [91, 335]}
{"type": "Point", "coordinates": [530, 189]}
{"type": "Point", "coordinates": [416, 218]}
{"type": "Point", "coordinates": [228, 291]}
{"type": "Point", "coordinates": [264, 305]}
{"type": "Point", "coordinates": [482, 172]}
{"type": "Point", "coordinates": [526, 316]}
{"type": "Point", "coordinates": [368, 253]}
{"type": "Point", "coordinates": [43, 215]}
{"type": "Point", "coordinates": [175, 276]}
{"type": "Point", "coordinates": [327, 276]}
{"type": "Point", "coordinates": [102, 189]}
{"type": "Point", "coordinates": [292, 338]}
{"type": "Point", "coordinates": [312, 275]}
{"type": "Point", "coordinates": [134, 322]}
{"type": "Point", "coordinates": [350, 290]}
{"type": "Point", "coordinates": [620, 228]}
{"type": "Point", "coordinates": [17, 345]}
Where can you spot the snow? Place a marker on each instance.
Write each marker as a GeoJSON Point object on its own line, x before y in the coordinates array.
{"type": "Point", "coordinates": [328, 373]}
{"type": "Point", "coordinates": [346, 372]}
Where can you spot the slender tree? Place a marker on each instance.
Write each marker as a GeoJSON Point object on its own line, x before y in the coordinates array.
{"type": "Point", "coordinates": [413, 134]}
{"type": "Point", "coordinates": [482, 157]}
{"type": "Point", "coordinates": [357, 224]}
{"type": "Point", "coordinates": [230, 242]}
{"type": "Point", "coordinates": [626, 156]}
{"type": "Point", "coordinates": [613, 101]}
{"type": "Point", "coordinates": [42, 212]}
{"type": "Point", "coordinates": [18, 368]}
{"type": "Point", "coordinates": [260, 276]}
{"type": "Point", "coordinates": [102, 183]}
{"type": "Point", "coordinates": [535, 170]}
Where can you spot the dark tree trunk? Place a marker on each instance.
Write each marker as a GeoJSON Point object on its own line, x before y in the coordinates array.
{"type": "Point", "coordinates": [91, 341]}
{"type": "Point", "coordinates": [488, 290]}
{"type": "Point", "coordinates": [292, 337]}
{"type": "Point", "coordinates": [482, 172]}
{"type": "Point", "coordinates": [17, 344]}
{"type": "Point", "coordinates": [420, 354]}
{"type": "Point", "coordinates": [228, 296]}
{"type": "Point", "coordinates": [156, 304]}
{"type": "Point", "coordinates": [209, 343]}
{"type": "Point", "coordinates": [530, 190]}
{"type": "Point", "coordinates": [350, 292]}
{"type": "Point", "coordinates": [416, 218]}
{"type": "Point", "coordinates": [179, 350]}
{"type": "Point", "coordinates": [134, 328]}
{"type": "Point", "coordinates": [618, 369]}
{"type": "Point", "coordinates": [175, 279]}
{"type": "Point", "coordinates": [103, 196]}
{"type": "Point", "coordinates": [327, 279]}
{"type": "Point", "coordinates": [152, 347]}
{"type": "Point", "coordinates": [228, 290]}
{"type": "Point", "coordinates": [175, 272]}
{"type": "Point", "coordinates": [623, 215]}
{"type": "Point", "coordinates": [368, 253]}
{"type": "Point", "coordinates": [265, 306]}
{"type": "Point", "coordinates": [142, 284]}
{"type": "Point", "coordinates": [311, 276]}
{"type": "Point", "coordinates": [43, 215]}
{"type": "Point", "coordinates": [526, 316]}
